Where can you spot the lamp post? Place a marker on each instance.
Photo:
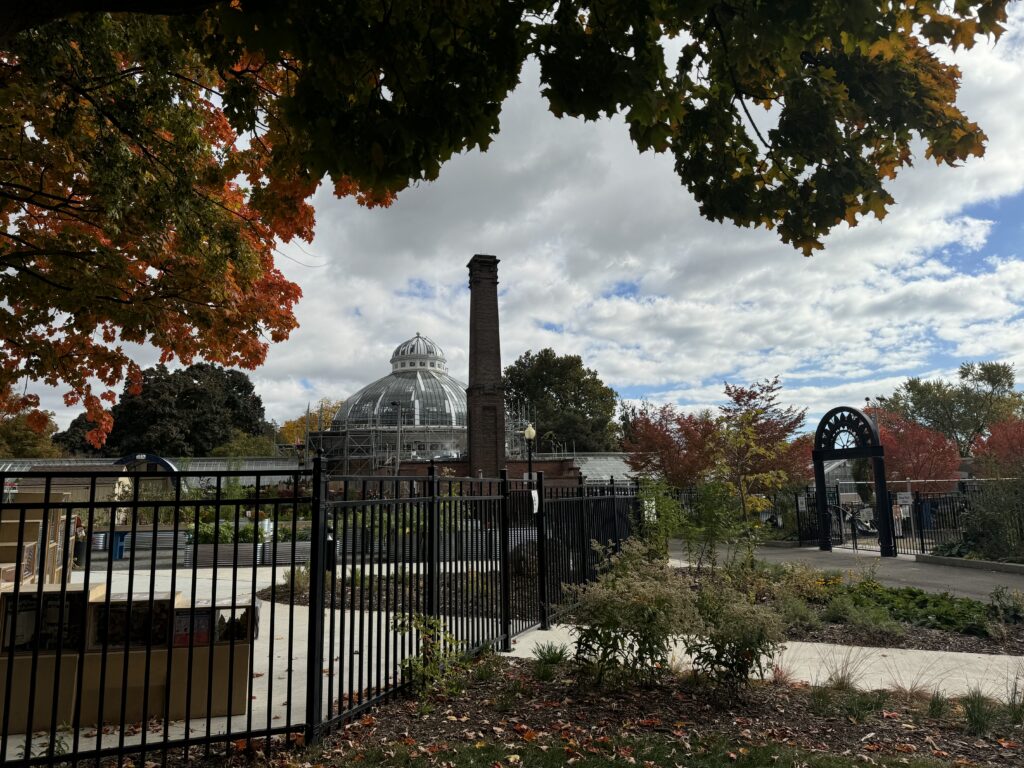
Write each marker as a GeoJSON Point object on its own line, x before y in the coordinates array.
{"type": "Point", "coordinates": [530, 434]}
{"type": "Point", "coordinates": [398, 437]}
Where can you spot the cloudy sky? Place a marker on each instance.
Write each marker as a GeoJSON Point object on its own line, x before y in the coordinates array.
{"type": "Point", "coordinates": [604, 254]}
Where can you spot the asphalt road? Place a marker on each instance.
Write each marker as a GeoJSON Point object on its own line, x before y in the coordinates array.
{"type": "Point", "coordinates": [902, 571]}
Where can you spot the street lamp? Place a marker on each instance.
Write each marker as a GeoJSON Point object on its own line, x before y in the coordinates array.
{"type": "Point", "coordinates": [530, 434]}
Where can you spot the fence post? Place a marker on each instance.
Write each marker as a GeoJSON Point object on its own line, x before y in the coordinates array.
{"type": "Point", "coordinates": [504, 531]}
{"type": "Point", "coordinates": [433, 544]}
{"type": "Point", "coordinates": [615, 516]}
{"type": "Point", "coordinates": [580, 510]}
{"type": "Point", "coordinates": [315, 637]}
{"type": "Point", "coordinates": [919, 520]}
{"type": "Point", "coordinates": [542, 553]}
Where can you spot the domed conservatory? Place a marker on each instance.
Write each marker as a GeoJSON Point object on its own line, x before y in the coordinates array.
{"type": "Point", "coordinates": [417, 413]}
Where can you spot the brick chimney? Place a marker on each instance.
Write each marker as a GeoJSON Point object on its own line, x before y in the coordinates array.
{"type": "Point", "coordinates": [485, 395]}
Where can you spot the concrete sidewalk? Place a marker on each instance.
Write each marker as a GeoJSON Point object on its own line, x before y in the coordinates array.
{"type": "Point", "coordinates": [870, 668]}
{"type": "Point", "coordinates": [902, 571]}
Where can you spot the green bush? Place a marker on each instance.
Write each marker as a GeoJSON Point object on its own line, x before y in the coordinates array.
{"type": "Point", "coordinates": [627, 619]}
{"type": "Point", "coordinates": [440, 665]}
{"type": "Point", "coordinates": [992, 519]}
{"type": "Point", "coordinates": [224, 533]}
{"type": "Point", "coordinates": [870, 618]}
{"type": "Point", "coordinates": [796, 613]}
{"type": "Point", "coordinates": [924, 609]}
{"type": "Point", "coordinates": [740, 638]}
{"type": "Point", "coordinates": [1006, 605]}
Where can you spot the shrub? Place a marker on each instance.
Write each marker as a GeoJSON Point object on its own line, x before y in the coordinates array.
{"type": "Point", "coordinates": [627, 619]}
{"type": "Point", "coordinates": [797, 614]}
{"type": "Point", "coordinates": [992, 520]}
{"type": "Point", "coordinates": [1007, 606]}
{"type": "Point", "coordinates": [440, 664]}
{"type": "Point", "coordinates": [740, 638]}
{"type": "Point", "coordinates": [810, 584]}
{"type": "Point", "coordinates": [870, 619]}
{"type": "Point", "coordinates": [296, 580]}
{"type": "Point", "coordinates": [924, 609]}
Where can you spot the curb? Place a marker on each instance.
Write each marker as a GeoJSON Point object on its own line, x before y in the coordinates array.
{"type": "Point", "coordinates": [981, 565]}
{"type": "Point", "coordinates": [780, 544]}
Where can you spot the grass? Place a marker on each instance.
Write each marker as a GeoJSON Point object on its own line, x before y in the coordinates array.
{"type": "Point", "coordinates": [981, 713]}
{"type": "Point", "coordinates": [843, 670]}
{"type": "Point", "coordinates": [551, 653]}
{"type": "Point", "coordinates": [655, 749]}
{"type": "Point", "coordinates": [938, 705]}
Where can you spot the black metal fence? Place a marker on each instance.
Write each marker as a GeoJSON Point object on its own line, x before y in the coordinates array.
{"type": "Point", "coordinates": [153, 615]}
{"type": "Point", "coordinates": [923, 521]}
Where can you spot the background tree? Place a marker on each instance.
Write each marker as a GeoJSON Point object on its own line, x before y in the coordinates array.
{"type": "Point", "coordinates": [244, 444]}
{"type": "Point", "coordinates": [962, 411]}
{"type": "Point", "coordinates": [20, 437]}
{"type": "Point", "coordinates": [679, 447]}
{"type": "Point", "coordinates": [566, 400]}
{"type": "Point", "coordinates": [752, 444]}
{"type": "Point", "coordinates": [1001, 452]}
{"type": "Point", "coordinates": [914, 451]}
{"type": "Point", "coordinates": [319, 416]}
{"type": "Point", "coordinates": [188, 412]}
{"type": "Point", "coordinates": [754, 452]}
{"type": "Point", "coordinates": [125, 124]}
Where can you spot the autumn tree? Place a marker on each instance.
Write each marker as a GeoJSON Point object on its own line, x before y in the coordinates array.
{"type": "Point", "coordinates": [752, 443]}
{"type": "Point", "coordinates": [963, 410]}
{"type": "Point", "coordinates": [19, 436]}
{"type": "Point", "coordinates": [914, 451]}
{"type": "Point", "coordinates": [317, 417]}
{"type": "Point", "coordinates": [756, 434]}
{"type": "Point", "coordinates": [1001, 452]}
{"type": "Point", "coordinates": [187, 412]}
{"type": "Point", "coordinates": [126, 125]}
{"type": "Point", "coordinates": [664, 442]}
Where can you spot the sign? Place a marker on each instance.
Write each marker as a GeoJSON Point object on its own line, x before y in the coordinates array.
{"type": "Point", "coordinates": [801, 503]}
{"type": "Point", "coordinates": [536, 501]}
{"type": "Point", "coordinates": [904, 497]}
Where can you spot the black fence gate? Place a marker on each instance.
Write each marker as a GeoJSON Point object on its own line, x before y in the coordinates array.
{"type": "Point", "coordinates": [146, 614]}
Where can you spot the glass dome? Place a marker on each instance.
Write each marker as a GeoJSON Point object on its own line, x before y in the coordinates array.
{"type": "Point", "coordinates": [418, 390]}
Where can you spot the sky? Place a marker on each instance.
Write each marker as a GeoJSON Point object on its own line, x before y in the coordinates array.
{"type": "Point", "coordinates": [604, 254]}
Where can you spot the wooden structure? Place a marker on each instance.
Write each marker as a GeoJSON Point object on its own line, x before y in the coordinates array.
{"type": "Point", "coordinates": [115, 658]}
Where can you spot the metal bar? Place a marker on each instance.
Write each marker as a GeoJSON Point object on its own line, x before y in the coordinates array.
{"type": "Point", "coordinates": [87, 572]}
{"type": "Point", "coordinates": [315, 644]}
{"type": "Point", "coordinates": [504, 533]}
{"type": "Point", "coordinates": [433, 601]}
{"type": "Point", "coordinates": [542, 557]}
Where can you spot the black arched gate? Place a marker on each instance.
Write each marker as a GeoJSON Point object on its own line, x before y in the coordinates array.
{"type": "Point", "coordinates": [847, 433]}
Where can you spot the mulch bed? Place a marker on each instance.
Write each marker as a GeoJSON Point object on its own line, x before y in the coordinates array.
{"type": "Point", "coordinates": [470, 594]}
{"type": "Point", "coordinates": [917, 638]}
{"type": "Point", "coordinates": [514, 707]}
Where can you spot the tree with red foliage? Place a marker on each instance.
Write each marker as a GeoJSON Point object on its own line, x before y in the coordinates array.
{"type": "Point", "coordinates": [1001, 453]}
{"type": "Point", "coordinates": [751, 441]}
{"type": "Point", "coordinates": [914, 451]}
{"type": "Point", "coordinates": [681, 447]}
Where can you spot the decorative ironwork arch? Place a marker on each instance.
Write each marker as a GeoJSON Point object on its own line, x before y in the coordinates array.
{"type": "Point", "coordinates": [843, 428]}
{"type": "Point", "coordinates": [848, 433]}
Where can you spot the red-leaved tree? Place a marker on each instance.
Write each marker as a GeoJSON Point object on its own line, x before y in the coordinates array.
{"type": "Point", "coordinates": [1001, 452]}
{"type": "Point", "coordinates": [914, 451]}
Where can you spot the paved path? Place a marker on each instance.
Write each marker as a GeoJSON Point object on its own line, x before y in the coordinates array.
{"type": "Point", "coordinates": [902, 571]}
{"type": "Point", "coordinates": [870, 668]}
